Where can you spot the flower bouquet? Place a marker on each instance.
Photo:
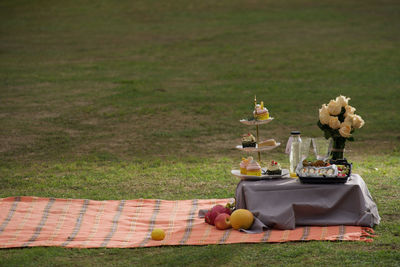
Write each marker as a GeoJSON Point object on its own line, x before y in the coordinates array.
{"type": "Point", "coordinates": [338, 121]}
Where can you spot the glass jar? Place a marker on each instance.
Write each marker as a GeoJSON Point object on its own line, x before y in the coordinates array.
{"type": "Point", "coordinates": [295, 152]}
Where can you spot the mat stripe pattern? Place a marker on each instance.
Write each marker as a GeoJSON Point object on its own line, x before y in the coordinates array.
{"type": "Point", "coordinates": [83, 223]}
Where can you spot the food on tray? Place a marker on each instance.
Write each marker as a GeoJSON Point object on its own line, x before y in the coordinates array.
{"type": "Point", "coordinates": [318, 163]}
{"type": "Point", "coordinates": [260, 112]}
{"type": "Point", "coordinates": [269, 142]}
{"type": "Point", "coordinates": [343, 170]}
{"type": "Point", "coordinates": [253, 168]}
{"type": "Point", "coordinates": [244, 163]}
{"type": "Point", "coordinates": [311, 171]}
{"type": "Point", "coordinates": [321, 168]}
{"type": "Point", "coordinates": [248, 140]}
{"type": "Point", "coordinates": [274, 168]}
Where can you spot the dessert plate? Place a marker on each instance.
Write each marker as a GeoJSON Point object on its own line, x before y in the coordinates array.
{"type": "Point", "coordinates": [254, 122]}
{"type": "Point", "coordinates": [264, 176]}
{"type": "Point", "coordinates": [256, 149]}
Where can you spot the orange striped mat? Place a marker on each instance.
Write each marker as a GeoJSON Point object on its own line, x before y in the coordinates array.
{"type": "Point", "coordinates": [82, 223]}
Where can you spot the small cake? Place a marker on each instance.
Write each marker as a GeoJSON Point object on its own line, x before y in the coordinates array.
{"type": "Point", "coordinates": [274, 168]}
{"type": "Point", "coordinates": [253, 168]}
{"type": "Point", "coordinates": [248, 140]}
{"type": "Point", "coordinates": [244, 163]}
{"type": "Point", "coordinates": [269, 142]}
{"type": "Point", "coordinates": [260, 112]}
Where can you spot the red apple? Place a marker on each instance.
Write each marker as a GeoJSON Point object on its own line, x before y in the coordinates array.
{"type": "Point", "coordinates": [207, 217]}
{"type": "Point", "coordinates": [221, 209]}
{"type": "Point", "coordinates": [214, 212]}
{"type": "Point", "coordinates": [222, 221]}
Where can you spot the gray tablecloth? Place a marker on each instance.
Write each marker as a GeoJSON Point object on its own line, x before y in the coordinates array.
{"type": "Point", "coordinates": [286, 203]}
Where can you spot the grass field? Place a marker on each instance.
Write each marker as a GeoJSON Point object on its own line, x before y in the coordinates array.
{"type": "Point", "coordinates": [142, 99]}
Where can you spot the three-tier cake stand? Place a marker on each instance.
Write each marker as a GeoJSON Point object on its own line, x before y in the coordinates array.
{"type": "Point", "coordinates": [257, 149]}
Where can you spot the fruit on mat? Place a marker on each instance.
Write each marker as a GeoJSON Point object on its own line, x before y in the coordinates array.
{"type": "Point", "coordinates": [222, 221]}
{"type": "Point", "coordinates": [158, 234]}
{"type": "Point", "coordinates": [241, 219]}
{"type": "Point", "coordinates": [231, 205]}
{"type": "Point", "coordinates": [214, 212]}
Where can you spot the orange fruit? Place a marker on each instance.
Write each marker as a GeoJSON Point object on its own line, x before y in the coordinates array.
{"type": "Point", "coordinates": [158, 234]}
{"type": "Point", "coordinates": [241, 219]}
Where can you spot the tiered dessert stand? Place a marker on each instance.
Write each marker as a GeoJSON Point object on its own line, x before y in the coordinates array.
{"type": "Point", "coordinates": [257, 148]}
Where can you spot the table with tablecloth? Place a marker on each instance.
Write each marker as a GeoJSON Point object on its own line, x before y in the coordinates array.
{"type": "Point", "coordinates": [286, 203]}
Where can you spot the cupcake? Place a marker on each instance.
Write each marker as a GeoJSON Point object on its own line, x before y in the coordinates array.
{"type": "Point", "coordinates": [260, 112]}
{"type": "Point", "coordinates": [274, 168]}
{"type": "Point", "coordinates": [244, 163]}
{"type": "Point", "coordinates": [253, 168]}
{"type": "Point", "coordinates": [248, 140]}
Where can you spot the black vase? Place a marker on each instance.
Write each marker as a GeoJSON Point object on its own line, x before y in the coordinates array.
{"type": "Point", "coordinates": [338, 148]}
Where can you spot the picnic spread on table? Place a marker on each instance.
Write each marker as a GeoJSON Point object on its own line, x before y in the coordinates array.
{"type": "Point", "coordinates": [315, 199]}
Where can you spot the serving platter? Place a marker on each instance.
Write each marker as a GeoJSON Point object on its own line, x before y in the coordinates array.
{"type": "Point", "coordinates": [264, 176]}
{"type": "Point", "coordinates": [256, 149]}
{"type": "Point", "coordinates": [256, 122]}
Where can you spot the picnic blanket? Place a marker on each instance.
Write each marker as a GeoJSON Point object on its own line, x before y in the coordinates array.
{"type": "Point", "coordinates": [82, 223]}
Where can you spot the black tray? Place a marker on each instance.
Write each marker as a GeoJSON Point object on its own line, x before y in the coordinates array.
{"type": "Point", "coordinates": [323, 180]}
{"type": "Point", "coordinates": [328, 180]}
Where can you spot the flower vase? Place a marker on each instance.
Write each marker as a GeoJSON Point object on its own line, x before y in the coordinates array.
{"type": "Point", "coordinates": [338, 148]}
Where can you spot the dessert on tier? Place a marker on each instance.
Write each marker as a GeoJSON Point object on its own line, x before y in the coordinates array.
{"type": "Point", "coordinates": [269, 142]}
{"type": "Point", "coordinates": [248, 140]}
{"type": "Point", "coordinates": [244, 163]}
{"type": "Point", "coordinates": [253, 168]}
{"type": "Point", "coordinates": [260, 112]}
{"type": "Point", "coordinates": [274, 168]}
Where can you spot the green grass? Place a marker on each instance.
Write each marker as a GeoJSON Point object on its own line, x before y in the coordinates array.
{"type": "Point", "coordinates": [129, 99]}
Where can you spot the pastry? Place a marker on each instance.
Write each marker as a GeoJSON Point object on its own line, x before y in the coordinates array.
{"type": "Point", "coordinates": [274, 168]}
{"type": "Point", "coordinates": [253, 168]}
{"type": "Point", "coordinates": [248, 140]}
{"type": "Point", "coordinates": [269, 142]}
{"type": "Point", "coordinates": [244, 163]}
{"type": "Point", "coordinates": [260, 112]}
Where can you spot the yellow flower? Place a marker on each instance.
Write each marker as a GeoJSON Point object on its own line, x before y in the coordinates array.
{"type": "Point", "coordinates": [358, 122]}
{"type": "Point", "coordinates": [345, 130]}
{"type": "Point", "coordinates": [324, 114]}
{"type": "Point", "coordinates": [342, 100]}
{"type": "Point", "coordinates": [334, 107]}
{"type": "Point", "coordinates": [349, 110]}
{"type": "Point", "coordinates": [334, 123]}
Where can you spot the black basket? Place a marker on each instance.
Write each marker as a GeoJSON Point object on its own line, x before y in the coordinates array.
{"type": "Point", "coordinates": [328, 180]}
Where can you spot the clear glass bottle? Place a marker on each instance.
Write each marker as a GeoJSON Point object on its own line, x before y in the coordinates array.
{"type": "Point", "coordinates": [295, 154]}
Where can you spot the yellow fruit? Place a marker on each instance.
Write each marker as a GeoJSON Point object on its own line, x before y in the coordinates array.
{"type": "Point", "coordinates": [158, 234]}
{"type": "Point", "coordinates": [241, 219]}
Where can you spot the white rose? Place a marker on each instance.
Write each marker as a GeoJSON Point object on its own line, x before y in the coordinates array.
{"type": "Point", "coordinates": [345, 131]}
{"type": "Point", "coordinates": [334, 123]}
{"type": "Point", "coordinates": [349, 119]}
{"type": "Point", "coordinates": [346, 123]}
{"type": "Point", "coordinates": [343, 100]}
{"type": "Point", "coordinates": [358, 122]}
{"type": "Point", "coordinates": [334, 107]}
{"type": "Point", "coordinates": [349, 110]}
{"type": "Point", "coordinates": [324, 114]}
